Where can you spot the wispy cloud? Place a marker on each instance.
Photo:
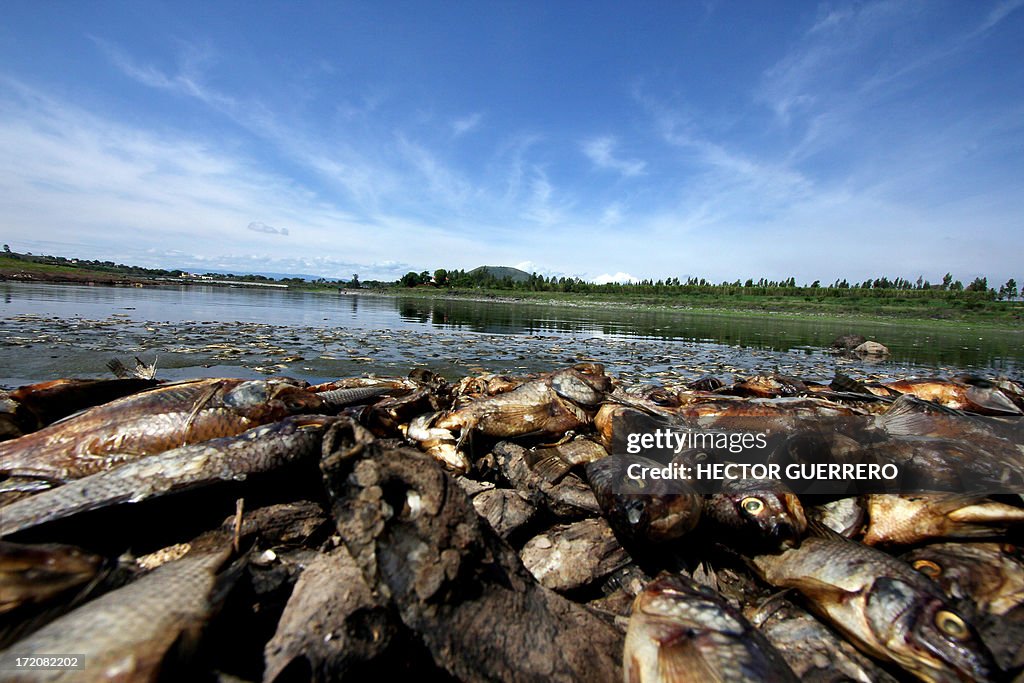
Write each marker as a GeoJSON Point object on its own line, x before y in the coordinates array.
{"type": "Point", "coordinates": [257, 226]}
{"type": "Point", "coordinates": [465, 124]}
{"type": "Point", "coordinates": [601, 151]}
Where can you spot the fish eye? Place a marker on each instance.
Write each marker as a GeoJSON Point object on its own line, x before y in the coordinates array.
{"type": "Point", "coordinates": [928, 568]}
{"type": "Point", "coordinates": [635, 511]}
{"type": "Point", "coordinates": [952, 625]}
{"type": "Point", "coordinates": [752, 505]}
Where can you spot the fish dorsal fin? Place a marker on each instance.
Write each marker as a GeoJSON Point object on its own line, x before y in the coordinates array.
{"type": "Point", "coordinates": [910, 416]}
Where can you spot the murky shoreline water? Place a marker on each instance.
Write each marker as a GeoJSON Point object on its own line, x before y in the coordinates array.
{"type": "Point", "coordinates": [62, 331]}
{"type": "Point", "coordinates": [35, 348]}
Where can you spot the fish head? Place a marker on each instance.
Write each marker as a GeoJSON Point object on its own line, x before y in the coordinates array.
{"type": "Point", "coordinates": [643, 509]}
{"type": "Point", "coordinates": [768, 516]}
{"type": "Point", "coordinates": [926, 635]}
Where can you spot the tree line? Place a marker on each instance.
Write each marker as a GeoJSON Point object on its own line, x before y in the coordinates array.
{"type": "Point", "coordinates": [880, 287]}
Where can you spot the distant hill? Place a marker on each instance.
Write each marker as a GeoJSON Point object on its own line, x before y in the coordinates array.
{"type": "Point", "coordinates": [501, 272]}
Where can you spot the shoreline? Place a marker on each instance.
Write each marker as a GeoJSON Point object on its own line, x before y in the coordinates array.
{"type": "Point", "coordinates": [578, 301]}
{"type": "Point", "coordinates": [721, 311]}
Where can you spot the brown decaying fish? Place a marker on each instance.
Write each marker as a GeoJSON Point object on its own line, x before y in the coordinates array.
{"type": "Point", "coordinates": [46, 402]}
{"type": "Point", "coordinates": [124, 635]}
{"type": "Point", "coordinates": [988, 575]}
{"type": "Point", "coordinates": [755, 514]}
{"type": "Point", "coordinates": [151, 422]}
{"type": "Point", "coordinates": [883, 607]}
{"type": "Point", "coordinates": [985, 400]}
{"type": "Point", "coordinates": [554, 462]}
{"type": "Point", "coordinates": [552, 404]}
{"type": "Point", "coordinates": [681, 632]}
{"type": "Point", "coordinates": [896, 519]}
{"type": "Point", "coordinates": [260, 449]}
{"type": "Point", "coordinates": [643, 508]}
{"type": "Point", "coordinates": [33, 574]}
{"type": "Point", "coordinates": [814, 651]}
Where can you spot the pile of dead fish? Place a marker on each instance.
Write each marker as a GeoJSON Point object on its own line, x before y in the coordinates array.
{"type": "Point", "coordinates": [228, 529]}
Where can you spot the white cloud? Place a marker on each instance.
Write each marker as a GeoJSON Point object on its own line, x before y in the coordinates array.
{"type": "Point", "coordinates": [601, 152]}
{"type": "Point", "coordinates": [620, 277]}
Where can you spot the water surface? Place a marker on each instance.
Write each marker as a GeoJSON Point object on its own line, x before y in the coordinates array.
{"type": "Point", "coordinates": [49, 331]}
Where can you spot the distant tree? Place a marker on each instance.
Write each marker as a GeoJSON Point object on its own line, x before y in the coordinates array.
{"type": "Point", "coordinates": [980, 284]}
{"type": "Point", "coordinates": [957, 286]}
{"type": "Point", "coordinates": [410, 279]}
{"type": "Point", "coordinates": [1009, 290]}
{"type": "Point", "coordinates": [441, 277]}
{"type": "Point", "coordinates": [354, 282]}
{"type": "Point", "coordinates": [947, 280]}
{"type": "Point", "coordinates": [816, 284]}
{"type": "Point", "coordinates": [7, 249]}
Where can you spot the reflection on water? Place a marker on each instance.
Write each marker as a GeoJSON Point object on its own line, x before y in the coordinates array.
{"type": "Point", "coordinates": [963, 346]}
{"type": "Point", "coordinates": [960, 346]}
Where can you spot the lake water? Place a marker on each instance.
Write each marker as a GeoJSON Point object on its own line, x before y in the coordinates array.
{"type": "Point", "coordinates": [68, 330]}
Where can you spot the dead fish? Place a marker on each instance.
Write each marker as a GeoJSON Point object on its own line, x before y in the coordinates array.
{"type": "Point", "coordinates": [570, 498]}
{"type": "Point", "coordinates": [10, 425]}
{"type": "Point", "coordinates": [984, 400]}
{"type": "Point", "coordinates": [614, 422]}
{"type": "Point", "coordinates": [142, 370]}
{"type": "Point", "coordinates": [566, 557]}
{"type": "Point", "coordinates": [555, 462]}
{"type": "Point", "coordinates": [989, 576]}
{"type": "Point", "coordinates": [396, 385]}
{"type": "Point", "coordinates": [641, 507]}
{"type": "Point", "coordinates": [260, 449]}
{"type": "Point", "coordinates": [845, 516]}
{"type": "Point", "coordinates": [882, 606]}
{"type": "Point", "coordinates": [910, 416]}
{"type": "Point", "coordinates": [46, 402]}
{"type": "Point", "coordinates": [506, 510]}
{"type": "Point", "coordinates": [34, 574]}
{"type": "Point", "coordinates": [125, 634]}
{"type": "Point", "coordinates": [552, 404]}
{"type": "Point", "coordinates": [812, 650]}
{"type": "Point", "coordinates": [151, 422]}
{"type": "Point", "coordinates": [766, 386]}
{"type": "Point", "coordinates": [905, 519]}
{"type": "Point", "coordinates": [486, 385]}
{"type": "Point", "coordinates": [682, 632]}
{"type": "Point", "coordinates": [755, 514]}
{"type": "Point", "coordinates": [339, 398]}
{"type": "Point", "coordinates": [439, 443]}
{"type": "Point", "coordinates": [706, 383]}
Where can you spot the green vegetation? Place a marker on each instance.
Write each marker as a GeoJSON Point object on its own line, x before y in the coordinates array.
{"type": "Point", "coordinates": [878, 298]}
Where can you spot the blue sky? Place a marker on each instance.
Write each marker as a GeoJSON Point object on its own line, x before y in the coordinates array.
{"type": "Point", "coordinates": [591, 139]}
